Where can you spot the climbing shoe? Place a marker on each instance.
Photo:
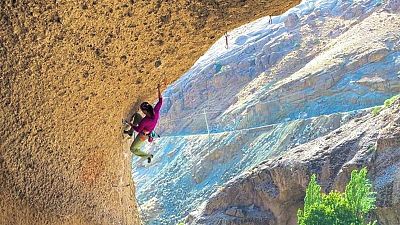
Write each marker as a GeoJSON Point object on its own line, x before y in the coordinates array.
{"type": "Point", "coordinates": [149, 159]}
{"type": "Point", "coordinates": [128, 132]}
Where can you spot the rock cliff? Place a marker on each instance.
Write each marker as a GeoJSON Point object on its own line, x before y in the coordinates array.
{"type": "Point", "coordinates": [70, 70]}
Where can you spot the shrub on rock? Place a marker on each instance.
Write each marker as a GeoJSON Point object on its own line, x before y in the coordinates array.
{"type": "Point", "coordinates": [350, 207]}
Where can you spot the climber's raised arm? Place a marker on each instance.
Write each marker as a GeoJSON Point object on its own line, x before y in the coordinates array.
{"type": "Point", "coordinates": [159, 103]}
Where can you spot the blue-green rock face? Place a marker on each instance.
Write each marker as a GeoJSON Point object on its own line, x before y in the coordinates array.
{"type": "Point", "coordinates": [275, 87]}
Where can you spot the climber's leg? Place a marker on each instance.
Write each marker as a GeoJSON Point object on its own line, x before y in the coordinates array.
{"type": "Point", "coordinates": [137, 144]}
{"type": "Point", "coordinates": [135, 120]}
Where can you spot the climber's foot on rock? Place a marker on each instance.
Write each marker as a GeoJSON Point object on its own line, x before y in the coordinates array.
{"type": "Point", "coordinates": [128, 132]}
{"type": "Point", "coordinates": [149, 159]}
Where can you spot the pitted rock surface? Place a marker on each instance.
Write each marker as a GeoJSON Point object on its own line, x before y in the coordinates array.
{"type": "Point", "coordinates": [70, 71]}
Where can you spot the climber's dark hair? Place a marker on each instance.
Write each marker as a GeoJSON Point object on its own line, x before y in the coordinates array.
{"type": "Point", "coordinates": [148, 108]}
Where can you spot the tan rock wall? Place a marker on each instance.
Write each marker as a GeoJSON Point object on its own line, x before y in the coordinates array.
{"type": "Point", "coordinates": [70, 70]}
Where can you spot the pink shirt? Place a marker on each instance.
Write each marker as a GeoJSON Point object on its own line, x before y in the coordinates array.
{"type": "Point", "coordinates": [148, 124]}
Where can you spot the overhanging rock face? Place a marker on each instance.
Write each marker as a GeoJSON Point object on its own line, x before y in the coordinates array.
{"type": "Point", "coordinates": [70, 70]}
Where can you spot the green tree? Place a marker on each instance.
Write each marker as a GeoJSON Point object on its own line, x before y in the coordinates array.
{"type": "Point", "coordinates": [313, 197]}
{"type": "Point", "coordinates": [359, 193]}
{"type": "Point", "coordinates": [333, 210]}
{"type": "Point", "coordinates": [313, 194]}
{"type": "Point", "coordinates": [336, 208]}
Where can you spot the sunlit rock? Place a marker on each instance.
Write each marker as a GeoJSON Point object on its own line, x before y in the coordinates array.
{"type": "Point", "coordinates": [291, 21]}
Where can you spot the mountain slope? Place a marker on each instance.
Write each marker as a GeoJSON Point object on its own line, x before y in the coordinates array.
{"type": "Point", "coordinates": [272, 192]}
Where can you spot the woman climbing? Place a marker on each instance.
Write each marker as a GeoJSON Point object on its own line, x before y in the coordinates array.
{"type": "Point", "coordinates": [144, 126]}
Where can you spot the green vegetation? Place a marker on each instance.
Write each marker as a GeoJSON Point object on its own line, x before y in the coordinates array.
{"type": "Point", "coordinates": [388, 102]}
{"type": "Point", "coordinates": [376, 110]}
{"type": "Point", "coordinates": [335, 208]}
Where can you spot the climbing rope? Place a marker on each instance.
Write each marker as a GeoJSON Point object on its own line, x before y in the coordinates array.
{"type": "Point", "coordinates": [235, 130]}
{"type": "Point", "coordinates": [225, 131]}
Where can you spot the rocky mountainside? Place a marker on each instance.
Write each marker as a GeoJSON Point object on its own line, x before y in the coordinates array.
{"type": "Point", "coordinates": [70, 70]}
{"type": "Point", "coordinates": [272, 192]}
{"type": "Point", "coordinates": [277, 86]}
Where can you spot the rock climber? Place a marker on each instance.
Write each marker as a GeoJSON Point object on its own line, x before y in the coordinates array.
{"type": "Point", "coordinates": [226, 39]}
{"type": "Point", "coordinates": [144, 126]}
